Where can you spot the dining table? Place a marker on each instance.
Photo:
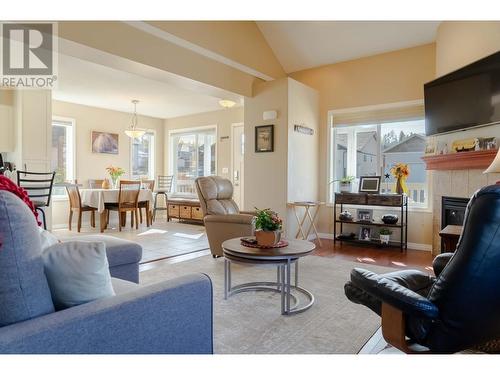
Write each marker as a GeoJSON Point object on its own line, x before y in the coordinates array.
{"type": "Point", "coordinates": [98, 198]}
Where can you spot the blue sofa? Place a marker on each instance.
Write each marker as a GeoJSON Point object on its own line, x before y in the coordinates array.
{"type": "Point", "coordinates": [173, 316]}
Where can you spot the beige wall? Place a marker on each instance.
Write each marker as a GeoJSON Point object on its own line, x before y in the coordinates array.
{"type": "Point", "coordinates": [93, 166]}
{"type": "Point", "coordinates": [386, 78]}
{"type": "Point", "coordinates": [240, 41]}
{"type": "Point", "coordinates": [266, 172]}
{"type": "Point", "coordinates": [290, 173]}
{"type": "Point", "coordinates": [223, 119]}
{"type": "Point", "coordinates": [459, 43]}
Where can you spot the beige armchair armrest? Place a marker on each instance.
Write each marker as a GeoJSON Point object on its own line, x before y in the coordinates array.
{"type": "Point", "coordinates": [253, 213]}
{"type": "Point", "coordinates": [230, 219]}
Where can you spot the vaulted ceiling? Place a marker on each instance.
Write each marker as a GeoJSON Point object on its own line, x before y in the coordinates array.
{"type": "Point", "coordinates": [300, 45]}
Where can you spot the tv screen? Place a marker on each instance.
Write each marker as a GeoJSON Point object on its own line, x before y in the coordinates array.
{"type": "Point", "coordinates": [464, 98]}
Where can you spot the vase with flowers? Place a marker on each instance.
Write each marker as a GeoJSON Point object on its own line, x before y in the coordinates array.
{"type": "Point", "coordinates": [401, 172]}
{"type": "Point", "coordinates": [268, 227]}
{"type": "Point", "coordinates": [115, 173]}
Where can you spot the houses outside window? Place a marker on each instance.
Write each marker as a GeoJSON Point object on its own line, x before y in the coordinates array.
{"type": "Point", "coordinates": [193, 154]}
{"type": "Point", "coordinates": [372, 149]}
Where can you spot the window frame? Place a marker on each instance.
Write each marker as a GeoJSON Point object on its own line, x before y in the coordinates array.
{"type": "Point", "coordinates": [331, 134]}
{"type": "Point", "coordinates": [152, 158]}
{"type": "Point", "coordinates": [71, 123]}
{"type": "Point", "coordinates": [187, 131]}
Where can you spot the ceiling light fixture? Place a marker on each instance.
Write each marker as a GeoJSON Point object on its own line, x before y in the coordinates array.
{"type": "Point", "coordinates": [134, 132]}
{"type": "Point", "coordinates": [227, 103]}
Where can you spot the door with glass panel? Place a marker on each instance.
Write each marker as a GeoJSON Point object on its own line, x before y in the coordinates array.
{"type": "Point", "coordinates": [193, 155]}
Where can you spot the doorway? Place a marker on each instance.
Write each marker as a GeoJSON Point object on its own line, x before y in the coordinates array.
{"type": "Point", "coordinates": [237, 164]}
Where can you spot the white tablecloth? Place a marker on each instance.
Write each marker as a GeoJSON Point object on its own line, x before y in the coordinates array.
{"type": "Point", "coordinates": [97, 197]}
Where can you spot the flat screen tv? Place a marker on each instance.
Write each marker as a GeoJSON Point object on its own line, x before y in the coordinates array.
{"type": "Point", "coordinates": [465, 98]}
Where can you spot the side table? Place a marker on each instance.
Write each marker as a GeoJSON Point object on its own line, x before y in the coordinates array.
{"type": "Point", "coordinates": [302, 233]}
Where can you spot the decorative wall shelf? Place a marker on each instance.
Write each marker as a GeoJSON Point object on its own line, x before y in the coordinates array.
{"type": "Point", "coordinates": [460, 160]}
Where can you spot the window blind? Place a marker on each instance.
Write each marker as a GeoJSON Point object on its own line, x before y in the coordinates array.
{"type": "Point", "coordinates": [374, 116]}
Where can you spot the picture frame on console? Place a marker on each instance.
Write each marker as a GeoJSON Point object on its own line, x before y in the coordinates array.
{"type": "Point", "coordinates": [365, 233]}
{"type": "Point", "coordinates": [365, 215]}
{"type": "Point", "coordinates": [369, 184]}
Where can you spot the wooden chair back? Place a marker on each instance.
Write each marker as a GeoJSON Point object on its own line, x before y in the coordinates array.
{"type": "Point", "coordinates": [148, 184]}
{"type": "Point", "coordinates": [95, 184]}
{"type": "Point", "coordinates": [38, 185]}
{"type": "Point", "coordinates": [128, 196]}
{"type": "Point", "coordinates": [75, 201]}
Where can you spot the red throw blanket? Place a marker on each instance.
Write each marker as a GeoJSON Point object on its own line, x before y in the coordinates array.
{"type": "Point", "coordinates": [8, 185]}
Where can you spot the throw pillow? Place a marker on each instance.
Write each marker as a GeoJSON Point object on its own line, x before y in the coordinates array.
{"type": "Point", "coordinates": [77, 272]}
{"type": "Point", "coordinates": [46, 238]}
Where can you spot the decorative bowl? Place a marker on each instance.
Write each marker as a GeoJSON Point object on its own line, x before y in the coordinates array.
{"type": "Point", "coordinates": [390, 219]}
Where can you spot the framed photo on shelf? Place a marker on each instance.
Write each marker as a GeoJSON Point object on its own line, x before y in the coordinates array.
{"type": "Point", "coordinates": [369, 184]}
{"type": "Point", "coordinates": [365, 233]}
{"type": "Point", "coordinates": [365, 215]}
{"type": "Point", "coordinates": [264, 138]}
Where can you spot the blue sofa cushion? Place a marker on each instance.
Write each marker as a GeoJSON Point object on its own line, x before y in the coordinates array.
{"type": "Point", "coordinates": [119, 251]}
{"type": "Point", "coordinates": [24, 291]}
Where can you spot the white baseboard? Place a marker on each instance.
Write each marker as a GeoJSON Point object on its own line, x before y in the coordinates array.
{"type": "Point", "coordinates": [411, 245]}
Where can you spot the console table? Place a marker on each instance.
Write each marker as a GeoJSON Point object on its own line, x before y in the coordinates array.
{"type": "Point", "coordinates": [399, 201]}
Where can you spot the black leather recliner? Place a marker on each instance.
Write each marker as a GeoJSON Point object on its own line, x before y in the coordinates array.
{"type": "Point", "coordinates": [456, 310]}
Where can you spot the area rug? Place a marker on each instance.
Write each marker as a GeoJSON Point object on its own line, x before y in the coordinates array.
{"type": "Point", "coordinates": [251, 323]}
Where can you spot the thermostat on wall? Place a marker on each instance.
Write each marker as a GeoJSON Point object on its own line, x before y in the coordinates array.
{"type": "Point", "coordinates": [270, 115]}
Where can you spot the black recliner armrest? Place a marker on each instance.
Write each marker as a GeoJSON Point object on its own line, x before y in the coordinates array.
{"type": "Point", "coordinates": [394, 294]}
{"type": "Point", "coordinates": [440, 262]}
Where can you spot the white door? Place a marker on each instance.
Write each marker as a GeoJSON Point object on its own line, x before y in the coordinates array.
{"type": "Point", "coordinates": [238, 150]}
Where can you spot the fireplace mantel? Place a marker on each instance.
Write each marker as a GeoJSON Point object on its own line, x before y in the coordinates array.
{"type": "Point", "coordinates": [460, 160]}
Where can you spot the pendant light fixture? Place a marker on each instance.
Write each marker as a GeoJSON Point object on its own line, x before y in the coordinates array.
{"type": "Point", "coordinates": [134, 132]}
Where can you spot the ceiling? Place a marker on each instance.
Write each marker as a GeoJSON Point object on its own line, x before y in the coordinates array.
{"type": "Point", "coordinates": [84, 82]}
{"type": "Point", "coordinates": [302, 45]}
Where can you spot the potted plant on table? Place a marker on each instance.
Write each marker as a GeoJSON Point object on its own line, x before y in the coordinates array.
{"type": "Point", "coordinates": [115, 173]}
{"type": "Point", "coordinates": [345, 183]}
{"type": "Point", "coordinates": [268, 227]}
{"type": "Point", "coordinates": [385, 235]}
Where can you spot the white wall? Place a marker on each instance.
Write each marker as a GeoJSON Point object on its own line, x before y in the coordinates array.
{"type": "Point", "coordinates": [93, 166]}
{"type": "Point", "coordinates": [303, 149]}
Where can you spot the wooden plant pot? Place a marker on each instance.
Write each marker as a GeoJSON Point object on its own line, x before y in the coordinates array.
{"type": "Point", "coordinates": [267, 238]}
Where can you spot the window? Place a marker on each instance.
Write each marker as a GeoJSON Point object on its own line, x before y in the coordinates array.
{"type": "Point", "coordinates": [62, 153]}
{"type": "Point", "coordinates": [372, 149]}
{"type": "Point", "coordinates": [193, 154]}
{"type": "Point", "coordinates": [143, 156]}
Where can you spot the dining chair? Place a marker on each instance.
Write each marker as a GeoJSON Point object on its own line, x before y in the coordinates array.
{"type": "Point", "coordinates": [164, 188]}
{"type": "Point", "coordinates": [38, 185]}
{"type": "Point", "coordinates": [150, 185]}
{"type": "Point", "coordinates": [95, 184]}
{"type": "Point", "coordinates": [128, 201]}
{"type": "Point", "coordinates": [75, 204]}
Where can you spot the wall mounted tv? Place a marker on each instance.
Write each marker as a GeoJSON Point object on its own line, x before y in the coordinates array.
{"type": "Point", "coordinates": [465, 98]}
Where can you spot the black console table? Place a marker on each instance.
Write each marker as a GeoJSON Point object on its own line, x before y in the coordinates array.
{"type": "Point", "coordinates": [399, 201]}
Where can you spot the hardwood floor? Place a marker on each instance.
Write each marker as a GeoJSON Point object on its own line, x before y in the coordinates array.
{"type": "Point", "coordinates": [388, 257]}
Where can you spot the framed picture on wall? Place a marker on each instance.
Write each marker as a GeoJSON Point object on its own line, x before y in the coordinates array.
{"type": "Point", "coordinates": [104, 143]}
{"type": "Point", "coordinates": [369, 184]}
{"type": "Point", "coordinates": [264, 138]}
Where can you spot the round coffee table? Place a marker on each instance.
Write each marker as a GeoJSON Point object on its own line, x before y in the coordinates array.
{"type": "Point", "coordinates": [281, 258]}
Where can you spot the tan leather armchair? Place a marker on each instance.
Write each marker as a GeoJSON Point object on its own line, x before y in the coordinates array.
{"type": "Point", "coordinates": [222, 217]}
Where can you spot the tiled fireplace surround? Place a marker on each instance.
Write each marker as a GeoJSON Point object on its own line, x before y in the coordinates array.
{"type": "Point", "coordinates": [455, 183]}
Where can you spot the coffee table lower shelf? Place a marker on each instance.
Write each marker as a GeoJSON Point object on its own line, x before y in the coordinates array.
{"type": "Point", "coordinates": [282, 285]}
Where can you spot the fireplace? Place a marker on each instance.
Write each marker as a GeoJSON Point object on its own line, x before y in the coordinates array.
{"type": "Point", "coordinates": [452, 212]}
